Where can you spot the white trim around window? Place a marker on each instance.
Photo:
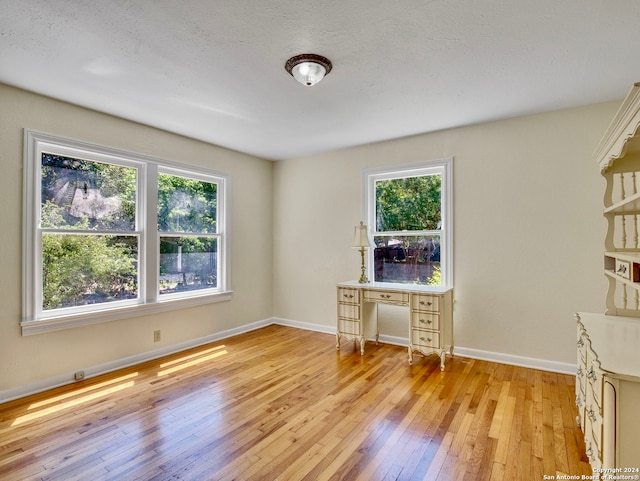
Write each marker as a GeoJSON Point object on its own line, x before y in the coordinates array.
{"type": "Point", "coordinates": [34, 318]}
{"type": "Point", "coordinates": [442, 167]}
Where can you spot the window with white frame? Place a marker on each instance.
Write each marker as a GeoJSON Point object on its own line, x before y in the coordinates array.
{"type": "Point", "coordinates": [187, 221]}
{"type": "Point", "coordinates": [409, 212]}
{"type": "Point", "coordinates": [111, 234]}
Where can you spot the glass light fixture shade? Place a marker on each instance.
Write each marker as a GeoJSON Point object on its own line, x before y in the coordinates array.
{"type": "Point", "coordinates": [308, 73]}
{"type": "Point", "coordinates": [361, 236]}
{"type": "Point", "coordinates": [308, 68]}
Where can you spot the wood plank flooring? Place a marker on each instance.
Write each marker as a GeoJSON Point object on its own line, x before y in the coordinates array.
{"type": "Point", "coordinates": [282, 404]}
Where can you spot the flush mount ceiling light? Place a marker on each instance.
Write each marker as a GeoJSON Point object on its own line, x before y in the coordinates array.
{"type": "Point", "coordinates": [308, 68]}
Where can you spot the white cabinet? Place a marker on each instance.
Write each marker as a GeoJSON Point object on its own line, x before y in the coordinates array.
{"type": "Point", "coordinates": [608, 389]}
{"type": "Point", "coordinates": [608, 373]}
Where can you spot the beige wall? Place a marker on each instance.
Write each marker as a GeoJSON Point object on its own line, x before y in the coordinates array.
{"type": "Point", "coordinates": [527, 224]}
{"type": "Point", "coordinates": [528, 229]}
{"type": "Point", "coordinates": [30, 359]}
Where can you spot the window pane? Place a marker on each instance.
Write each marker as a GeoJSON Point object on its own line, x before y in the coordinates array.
{"type": "Point", "coordinates": [80, 194]}
{"type": "Point", "coordinates": [407, 259]}
{"type": "Point", "coordinates": [188, 263]}
{"type": "Point", "coordinates": [411, 203]}
{"type": "Point", "coordinates": [186, 205]}
{"type": "Point", "coordinates": [79, 270]}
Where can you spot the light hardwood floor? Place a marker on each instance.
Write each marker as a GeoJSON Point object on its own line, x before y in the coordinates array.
{"type": "Point", "coordinates": [282, 403]}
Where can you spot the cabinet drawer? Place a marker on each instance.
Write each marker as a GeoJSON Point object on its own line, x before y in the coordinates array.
{"type": "Point", "coordinates": [580, 407]}
{"type": "Point", "coordinates": [583, 342]}
{"type": "Point", "coordinates": [425, 338]}
{"type": "Point", "coordinates": [581, 381]}
{"type": "Point", "coordinates": [390, 297]}
{"type": "Point", "coordinates": [595, 420]}
{"type": "Point", "coordinates": [594, 383]}
{"type": "Point", "coordinates": [425, 302]}
{"type": "Point", "coordinates": [346, 326]}
{"type": "Point", "coordinates": [425, 320]}
{"type": "Point", "coordinates": [593, 453]}
{"type": "Point", "coordinates": [593, 434]}
{"type": "Point", "coordinates": [346, 295]}
{"type": "Point", "coordinates": [623, 269]}
{"type": "Point", "coordinates": [349, 311]}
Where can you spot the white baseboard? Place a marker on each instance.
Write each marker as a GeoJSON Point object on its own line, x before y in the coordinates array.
{"type": "Point", "coordinates": [533, 363]}
{"type": "Point", "coordinates": [63, 379]}
{"type": "Point", "coordinates": [304, 325]}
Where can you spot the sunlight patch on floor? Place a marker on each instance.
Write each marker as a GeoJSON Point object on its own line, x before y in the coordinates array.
{"type": "Point", "coordinates": [191, 360]}
{"type": "Point", "coordinates": [93, 392]}
{"type": "Point", "coordinates": [75, 392]}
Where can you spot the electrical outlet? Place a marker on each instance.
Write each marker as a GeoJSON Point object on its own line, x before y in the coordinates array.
{"type": "Point", "coordinates": [156, 336]}
{"type": "Point", "coordinates": [78, 376]}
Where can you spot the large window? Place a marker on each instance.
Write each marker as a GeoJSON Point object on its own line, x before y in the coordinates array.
{"type": "Point", "coordinates": [111, 234]}
{"type": "Point", "coordinates": [408, 209]}
{"type": "Point", "coordinates": [87, 235]}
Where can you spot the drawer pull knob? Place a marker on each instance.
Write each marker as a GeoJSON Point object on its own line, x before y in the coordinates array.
{"type": "Point", "coordinates": [429, 321]}
{"type": "Point", "coordinates": [348, 296]}
{"type": "Point", "coordinates": [428, 339]}
{"type": "Point", "coordinates": [428, 303]}
{"type": "Point", "coordinates": [385, 296]}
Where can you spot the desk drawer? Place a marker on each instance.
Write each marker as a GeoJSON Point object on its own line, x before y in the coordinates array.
{"type": "Point", "coordinates": [349, 311]}
{"type": "Point", "coordinates": [425, 302]}
{"type": "Point", "coordinates": [425, 320]}
{"type": "Point", "coordinates": [347, 295]}
{"type": "Point", "coordinates": [346, 326]}
{"type": "Point", "coordinates": [425, 338]}
{"type": "Point", "coordinates": [390, 297]}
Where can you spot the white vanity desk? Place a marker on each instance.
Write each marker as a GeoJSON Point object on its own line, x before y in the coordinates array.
{"type": "Point", "coordinates": [429, 319]}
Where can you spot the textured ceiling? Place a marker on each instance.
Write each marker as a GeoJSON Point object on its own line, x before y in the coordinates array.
{"type": "Point", "coordinates": [213, 70]}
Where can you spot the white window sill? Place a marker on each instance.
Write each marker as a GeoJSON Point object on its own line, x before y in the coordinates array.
{"type": "Point", "coordinates": [48, 324]}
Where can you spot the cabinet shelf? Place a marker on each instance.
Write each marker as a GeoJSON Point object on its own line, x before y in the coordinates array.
{"type": "Point", "coordinates": [612, 274]}
{"type": "Point", "coordinates": [629, 256]}
{"type": "Point", "coordinates": [630, 205]}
